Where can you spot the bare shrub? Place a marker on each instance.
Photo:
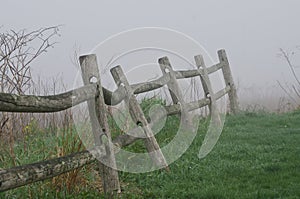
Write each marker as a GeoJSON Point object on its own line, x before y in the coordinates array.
{"type": "Point", "coordinates": [292, 90]}
{"type": "Point", "coordinates": [18, 50]}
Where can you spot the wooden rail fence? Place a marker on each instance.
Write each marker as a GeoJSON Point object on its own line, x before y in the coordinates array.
{"type": "Point", "coordinates": [98, 98]}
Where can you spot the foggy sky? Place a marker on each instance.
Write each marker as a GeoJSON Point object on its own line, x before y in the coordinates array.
{"type": "Point", "coordinates": [251, 31]}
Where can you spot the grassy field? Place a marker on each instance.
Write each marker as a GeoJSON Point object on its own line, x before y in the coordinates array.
{"type": "Point", "coordinates": [257, 156]}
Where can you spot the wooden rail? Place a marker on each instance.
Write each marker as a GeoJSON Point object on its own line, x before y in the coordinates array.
{"type": "Point", "coordinates": [26, 174]}
{"type": "Point", "coordinates": [63, 101]}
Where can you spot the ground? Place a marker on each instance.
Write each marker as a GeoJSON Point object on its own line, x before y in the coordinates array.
{"type": "Point", "coordinates": [257, 156]}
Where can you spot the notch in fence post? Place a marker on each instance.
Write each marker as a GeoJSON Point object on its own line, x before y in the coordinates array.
{"type": "Point", "coordinates": [139, 118]}
{"type": "Point", "coordinates": [233, 99]}
{"type": "Point", "coordinates": [97, 111]}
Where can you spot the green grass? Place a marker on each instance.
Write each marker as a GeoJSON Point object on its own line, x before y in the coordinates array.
{"type": "Point", "coordinates": [257, 156]}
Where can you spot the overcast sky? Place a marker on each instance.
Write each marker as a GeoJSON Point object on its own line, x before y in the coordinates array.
{"type": "Point", "coordinates": [251, 31]}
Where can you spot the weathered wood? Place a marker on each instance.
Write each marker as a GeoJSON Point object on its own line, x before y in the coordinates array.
{"type": "Point", "coordinates": [17, 100]}
{"type": "Point", "coordinates": [172, 84]}
{"type": "Point", "coordinates": [204, 78]}
{"type": "Point", "coordinates": [233, 99]}
{"type": "Point", "coordinates": [149, 86]}
{"type": "Point", "coordinates": [222, 92]}
{"type": "Point", "coordinates": [52, 103]}
{"type": "Point", "coordinates": [98, 116]}
{"type": "Point", "coordinates": [207, 87]}
{"type": "Point", "coordinates": [26, 174]}
{"type": "Point", "coordinates": [158, 83]}
{"type": "Point", "coordinates": [200, 63]}
{"type": "Point", "coordinates": [63, 101]}
{"type": "Point", "coordinates": [138, 117]}
{"type": "Point", "coordinates": [215, 126]}
{"type": "Point", "coordinates": [175, 92]}
{"type": "Point", "coordinates": [214, 68]}
{"type": "Point", "coordinates": [193, 73]}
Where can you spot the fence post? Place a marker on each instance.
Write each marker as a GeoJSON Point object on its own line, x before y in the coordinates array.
{"type": "Point", "coordinates": [206, 84]}
{"type": "Point", "coordinates": [172, 84]}
{"type": "Point", "coordinates": [233, 99]}
{"type": "Point", "coordinates": [214, 113]}
{"type": "Point", "coordinates": [175, 92]}
{"type": "Point", "coordinates": [139, 118]}
{"type": "Point", "coordinates": [97, 110]}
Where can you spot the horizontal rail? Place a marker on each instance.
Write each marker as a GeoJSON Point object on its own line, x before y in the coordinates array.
{"type": "Point", "coordinates": [151, 85]}
{"type": "Point", "coordinates": [196, 72]}
{"type": "Point", "coordinates": [54, 103]}
{"type": "Point", "coordinates": [63, 101]}
{"type": "Point", "coordinates": [214, 68]}
{"type": "Point", "coordinates": [26, 174]}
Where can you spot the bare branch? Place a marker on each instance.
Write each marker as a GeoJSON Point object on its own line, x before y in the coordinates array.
{"type": "Point", "coordinates": [286, 92]}
{"type": "Point", "coordinates": [288, 60]}
{"type": "Point", "coordinates": [18, 49]}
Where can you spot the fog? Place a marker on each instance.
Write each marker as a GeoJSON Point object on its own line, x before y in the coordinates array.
{"type": "Point", "coordinates": [251, 32]}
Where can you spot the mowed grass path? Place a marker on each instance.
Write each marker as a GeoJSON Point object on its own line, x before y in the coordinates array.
{"type": "Point", "coordinates": [257, 156]}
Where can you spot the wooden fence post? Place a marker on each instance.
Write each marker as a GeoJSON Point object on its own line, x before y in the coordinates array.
{"type": "Point", "coordinates": [175, 92]}
{"type": "Point", "coordinates": [233, 99]}
{"type": "Point", "coordinates": [208, 89]}
{"type": "Point", "coordinates": [172, 84]}
{"type": "Point", "coordinates": [139, 118]}
{"type": "Point", "coordinates": [206, 84]}
{"type": "Point", "coordinates": [98, 115]}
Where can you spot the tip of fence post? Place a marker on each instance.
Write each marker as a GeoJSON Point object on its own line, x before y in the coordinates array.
{"type": "Point", "coordinates": [87, 55]}
{"type": "Point", "coordinates": [222, 55]}
{"type": "Point", "coordinates": [221, 51]}
{"type": "Point", "coordinates": [199, 60]}
{"type": "Point", "coordinates": [83, 57]}
{"type": "Point", "coordinates": [164, 60]}
{"type": "Point", "coordinates": [114, 70]}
